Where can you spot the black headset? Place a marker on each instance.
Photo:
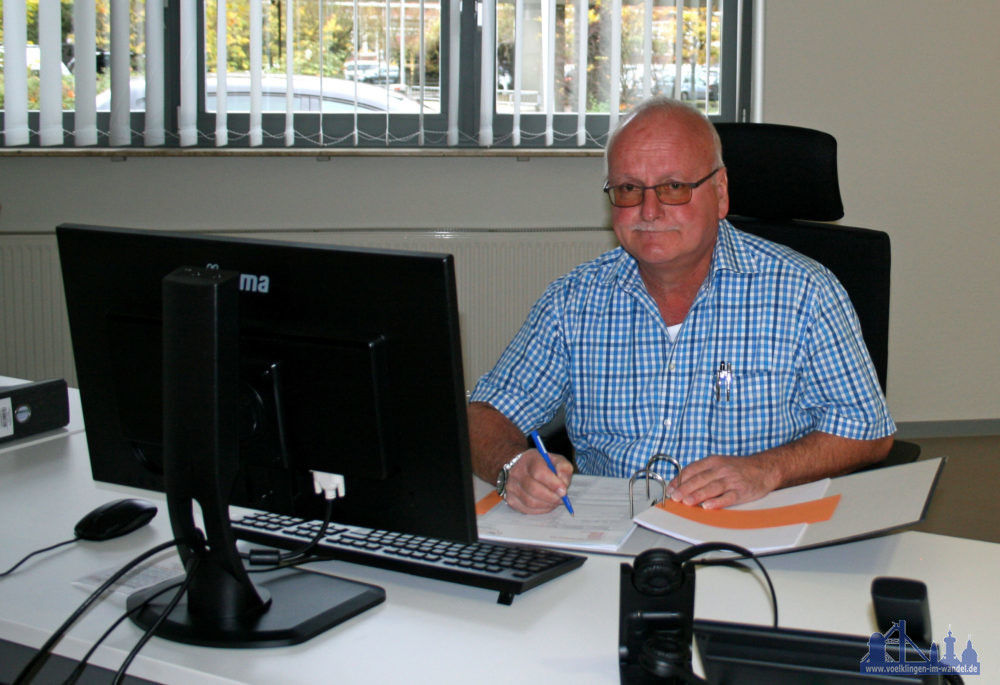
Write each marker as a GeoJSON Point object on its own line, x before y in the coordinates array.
{"type": "Point", "coordinates": [659, 571]}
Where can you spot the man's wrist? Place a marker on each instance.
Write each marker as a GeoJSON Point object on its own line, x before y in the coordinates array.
{"type": "Point", "coordinates": [504, 473]}
{"type": "Point", "coordinates": [773, 465]}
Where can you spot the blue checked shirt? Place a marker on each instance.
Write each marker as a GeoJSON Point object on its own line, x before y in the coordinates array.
{"type": "Point", "coordinates": [596, 343]}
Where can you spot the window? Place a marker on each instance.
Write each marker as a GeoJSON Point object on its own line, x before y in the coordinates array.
{"type": "Point", "coordinates": [554, 76]}
{"type": "Point", "coordinates": [360, 73]}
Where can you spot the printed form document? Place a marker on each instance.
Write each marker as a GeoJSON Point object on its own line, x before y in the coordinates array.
{"type": "Point", "coordinates": [601, 522]}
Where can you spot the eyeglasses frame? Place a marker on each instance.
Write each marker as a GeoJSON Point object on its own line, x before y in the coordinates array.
{"type": "Point", "coordinates": [692, 186]}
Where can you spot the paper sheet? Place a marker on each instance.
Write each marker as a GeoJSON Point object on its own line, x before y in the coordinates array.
{"type": "Point", "coordinates": [139, 578]}
{"type": "Point", "coordinates": [601, 522]}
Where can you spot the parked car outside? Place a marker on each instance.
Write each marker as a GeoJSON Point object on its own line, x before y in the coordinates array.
{"type": "Point", "coordinates": [33, 59]}
{"type": "Point", "coordinates": [371, 71]}
{"type": "Point", "coordinates": [309, 94]}
{"type": "Point", "coordinates": [665, 86]}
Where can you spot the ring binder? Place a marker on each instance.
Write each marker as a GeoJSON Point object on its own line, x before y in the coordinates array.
{"type": "Point", "coordinates": [647, 473]}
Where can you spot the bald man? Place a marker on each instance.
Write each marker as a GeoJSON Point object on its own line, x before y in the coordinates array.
{"type": "Point", "coordinates": [737, 356]}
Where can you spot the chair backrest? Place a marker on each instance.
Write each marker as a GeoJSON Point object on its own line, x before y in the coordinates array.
{"type": "Point", "coordinates": [782, 185]}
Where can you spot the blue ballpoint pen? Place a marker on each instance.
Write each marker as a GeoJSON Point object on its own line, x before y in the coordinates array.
{"type": "Point", "coordinates": [535, 438]}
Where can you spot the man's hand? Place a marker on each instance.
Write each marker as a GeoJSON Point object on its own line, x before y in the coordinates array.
{"type": "Point", "coordinates": [716, 482]}
{"type": "Point", "coordinates": [532, 488]}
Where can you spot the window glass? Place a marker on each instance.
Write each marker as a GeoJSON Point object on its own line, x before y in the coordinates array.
{"type": "Point", "coordinates": [392, 47]}
{"type": "Point", "coordinates": [681, 61]}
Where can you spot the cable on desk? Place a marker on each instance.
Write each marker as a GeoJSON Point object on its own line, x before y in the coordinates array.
{"type": "Point", "coordinates": [37, 551]}
{"type": "Point", "coordinates": [294, 563]}
{"type": "Point", "coordinates": [82, 664]}
{"type": "Point", "coordinates": [278, 560]}
{"type": "Point", "coordinates": [41, 656]}
{"type": "Point", "coordinates": [744, 554]}
{"type": "Point", "coordinates": [189, 574]}
{"type": "Point", "coordinates": [181, 587]}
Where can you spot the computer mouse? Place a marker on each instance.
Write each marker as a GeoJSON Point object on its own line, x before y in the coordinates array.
{"type": "Point", "coordinates": [113, 519]}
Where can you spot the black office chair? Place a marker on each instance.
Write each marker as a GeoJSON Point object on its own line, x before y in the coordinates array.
{"type": "Point", "coordinates": [783, 184]}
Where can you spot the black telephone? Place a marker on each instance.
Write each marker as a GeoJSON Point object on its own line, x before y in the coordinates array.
{"type": "Point", "coordinates": [655, 617]}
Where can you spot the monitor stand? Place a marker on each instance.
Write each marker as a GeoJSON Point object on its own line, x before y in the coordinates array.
{"type": "Point", "coordinates": [300, 605]}
{"type": "Point", "coordinates": [221, 607]}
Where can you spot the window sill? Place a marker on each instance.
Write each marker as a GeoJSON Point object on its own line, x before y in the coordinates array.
{"type": "Point", "coordinates": [125, 152]}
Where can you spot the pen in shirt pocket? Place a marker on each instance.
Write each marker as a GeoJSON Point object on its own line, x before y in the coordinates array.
{"type": "Point", "coordinates": [724, 381]}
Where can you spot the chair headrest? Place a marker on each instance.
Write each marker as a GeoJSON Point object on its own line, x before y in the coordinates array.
{"type": "Point", "coordinates": [781, 172]}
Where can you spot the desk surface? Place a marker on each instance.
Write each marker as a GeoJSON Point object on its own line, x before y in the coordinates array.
{"type": "Point", "coordinates": [431, 631]}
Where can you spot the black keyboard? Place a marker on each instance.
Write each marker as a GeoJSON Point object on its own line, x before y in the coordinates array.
{"type": "Point", "coordinates": [509, 569]}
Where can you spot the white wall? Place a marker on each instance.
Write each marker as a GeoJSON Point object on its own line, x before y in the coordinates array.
{"type": "Point", "coordinates": [302, 192]}
{"type": "Point", "coordinates": [910, 90]}
{"type": "Point", "coordinates": [907, 86]}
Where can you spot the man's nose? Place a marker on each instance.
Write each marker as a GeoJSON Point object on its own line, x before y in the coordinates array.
{"type": "Point", "coordinates": [651, 207]}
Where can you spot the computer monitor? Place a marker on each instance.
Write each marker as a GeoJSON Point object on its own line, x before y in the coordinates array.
{"type": "Point", "coordinates": [281, 359]}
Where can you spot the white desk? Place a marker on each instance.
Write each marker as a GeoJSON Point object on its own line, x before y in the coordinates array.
{"type": "Point", "coordinates": [565, 631]}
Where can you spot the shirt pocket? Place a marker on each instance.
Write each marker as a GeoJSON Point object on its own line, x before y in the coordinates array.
{"type": "Point", "coordinates": [744, 421]}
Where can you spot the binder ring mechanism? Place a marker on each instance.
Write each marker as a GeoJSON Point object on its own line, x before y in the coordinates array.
{"type": "Point", "coordinates": [647, 474]}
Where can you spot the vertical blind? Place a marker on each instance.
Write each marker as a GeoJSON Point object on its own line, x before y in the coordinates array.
{"type": "Point", "coordinates": [547, 71]}
{"type": "Point", "coordinates": [573, 59]}
{"type": "Point", "coordinates": [15, 74]}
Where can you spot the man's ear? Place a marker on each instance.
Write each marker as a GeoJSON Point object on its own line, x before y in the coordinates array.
{"type": "Point", "coordinates": [722, 190]}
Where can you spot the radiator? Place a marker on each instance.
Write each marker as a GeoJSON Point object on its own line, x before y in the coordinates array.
{"type": "Point", "coordinates": [34, 332]}
{"type": "Point", "coordinates": [499, 274]}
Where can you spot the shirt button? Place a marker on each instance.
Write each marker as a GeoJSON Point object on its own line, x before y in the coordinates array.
{"type": "Point", "coordinates": [667, 422]}
{"type": "Point", "coordinates": [671, 366]}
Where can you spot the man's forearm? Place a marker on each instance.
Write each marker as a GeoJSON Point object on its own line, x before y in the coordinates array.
{"type": "Point", "coordinates": [821, 455]}
{"type": "Point", "coordinates": [493, 440]}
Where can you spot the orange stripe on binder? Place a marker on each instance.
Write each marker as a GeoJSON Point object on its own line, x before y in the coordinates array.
{"type": "Point", "coordinates": [487, 503]}
{"type": "Point", "coordinates": [805, 512]}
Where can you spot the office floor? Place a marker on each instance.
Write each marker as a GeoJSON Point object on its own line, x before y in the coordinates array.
{"type": "Point", "coordinates": [965, 503]}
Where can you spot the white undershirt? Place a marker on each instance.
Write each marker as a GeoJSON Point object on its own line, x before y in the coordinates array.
{"type": "Point", "coordinates": [672, 331]}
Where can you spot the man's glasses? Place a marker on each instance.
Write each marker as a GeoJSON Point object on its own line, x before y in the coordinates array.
{"type": "Point", "coordinates": [669, 193]}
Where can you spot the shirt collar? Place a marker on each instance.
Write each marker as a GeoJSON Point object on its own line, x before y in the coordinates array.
{"type": "Point", "coordinates": [731, 253]}
{"type": "Point", "coordinates": [625, 272]}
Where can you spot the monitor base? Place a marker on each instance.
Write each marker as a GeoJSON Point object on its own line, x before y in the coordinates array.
{"type": "Point", "coordinates": [302, 605]}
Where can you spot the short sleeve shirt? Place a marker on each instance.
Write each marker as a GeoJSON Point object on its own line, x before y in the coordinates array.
{"type": "Point", "coordinates": [596, 343]}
